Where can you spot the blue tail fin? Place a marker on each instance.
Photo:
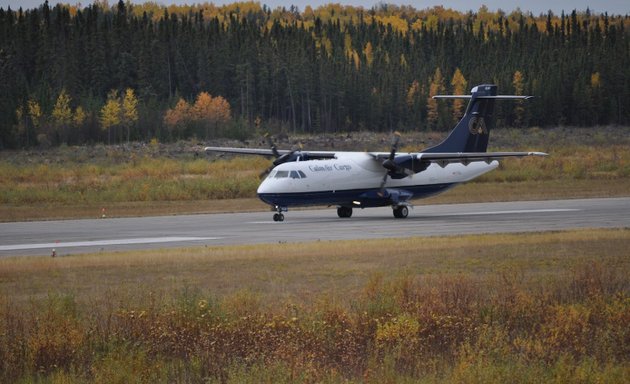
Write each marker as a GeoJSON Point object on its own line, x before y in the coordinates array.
{"type": "Point", "coordinates": [472, 132]}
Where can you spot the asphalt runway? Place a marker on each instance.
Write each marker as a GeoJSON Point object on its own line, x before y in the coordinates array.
{"type": "Point", "coordinates": [116, 234]}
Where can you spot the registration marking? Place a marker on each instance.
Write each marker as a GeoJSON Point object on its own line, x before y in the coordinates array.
{"type": "Point", "coordinates": [93, 243]}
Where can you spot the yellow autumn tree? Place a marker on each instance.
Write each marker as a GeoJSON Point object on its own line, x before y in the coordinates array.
{"type": "Point", "coordinates": [368, 51]}
{"type": "Point", "coordinates": [110, 114]}
{"type": "Point", "coordinates": [436, 87]}
{"type": "Point", "coordinates": [519, 87]}
{"type": "Point", "coordinates": [129, 111]}
{"type": "Point", "coordinates": [62, 115]}
{"type": "Point", "coordinates": [177, 118]}
{"type": "Point", "coordinates": [326, 45]}
{"type": "Point", "coordinates": [79, 117]}
{"type": "Point", "coordinates": [37, 120]}
{"type": "Point", "coordinates": [459, 84]}
{"type": "Point", "coordinates": [596, 80]}
{"type": "Point", "coordinates": [35, 113]}
{"type": "Point", "coordinates": [201, 108]}
{"type": "Point", "coordinates": [397, 24]}
{"type": "Point", "coordinates": [210, 112]}
{"type": "Point", "coordinates": [412, 93]}
{"type": "Point", "coordinates": [356, 59]}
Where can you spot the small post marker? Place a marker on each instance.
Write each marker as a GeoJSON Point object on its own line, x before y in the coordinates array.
{"type": "Point", "coordinates": [103, 213]}
{"type": "Point", "coordinates": [54, 253]}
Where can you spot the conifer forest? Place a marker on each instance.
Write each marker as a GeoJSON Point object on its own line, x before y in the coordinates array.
{"type": "Point", "coordinates": [120, 72]}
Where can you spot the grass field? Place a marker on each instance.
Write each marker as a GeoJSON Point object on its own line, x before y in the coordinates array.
{"type": "Point", "coordinates": [529, 308]}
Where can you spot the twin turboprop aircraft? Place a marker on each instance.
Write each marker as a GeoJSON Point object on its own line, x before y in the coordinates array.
{"type": "Point", "coordinates": [374, 179]}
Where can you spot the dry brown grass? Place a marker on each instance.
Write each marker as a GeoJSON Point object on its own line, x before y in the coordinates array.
{"type": "Point", "coordinates": [299, 271]}
{"type": "Point", "coordinates": [494, 308]}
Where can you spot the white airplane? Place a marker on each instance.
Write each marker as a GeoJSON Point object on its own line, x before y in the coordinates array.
{"type": "Point", "coordinates": [374, 179]}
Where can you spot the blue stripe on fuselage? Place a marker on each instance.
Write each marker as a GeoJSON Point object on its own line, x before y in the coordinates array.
{"type": "Point", "coordinates": [347, 197]}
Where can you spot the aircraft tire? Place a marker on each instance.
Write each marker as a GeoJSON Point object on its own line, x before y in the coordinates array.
{"type": "Point", "coordinates": [344, 212]}
{"type": "Point", "coordinates": [401, 212]}
{"type": "Point", "coordinates": [278, 217]}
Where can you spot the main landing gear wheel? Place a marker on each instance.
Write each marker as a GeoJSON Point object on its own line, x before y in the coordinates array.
{"type": "Point", "coordinates": [344, 212]}
{"type": "Point", "coordinates": [401, 211]}
{"type": "Point", "coordinates": [278, 217]}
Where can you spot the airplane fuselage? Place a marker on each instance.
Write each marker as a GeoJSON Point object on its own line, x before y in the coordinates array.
{"type": "Point", "coordinates": [353, 179]}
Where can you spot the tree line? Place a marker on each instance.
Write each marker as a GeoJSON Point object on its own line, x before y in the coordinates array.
{"type": "Point", "coordinates": [101, 73]}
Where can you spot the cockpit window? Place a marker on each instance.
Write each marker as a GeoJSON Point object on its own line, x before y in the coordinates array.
{"type": "Point", "coordinates": [284, 174]}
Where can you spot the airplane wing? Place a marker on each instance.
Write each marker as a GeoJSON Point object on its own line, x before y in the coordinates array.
{"type": "Point", "coordinates": [244, 151]}
{"type": "Point", "coordinates": [269, 152]}
{"type": "Point", "coordinates": [443, 159]}
{"type": "Point", "coordinates": [409, 163]}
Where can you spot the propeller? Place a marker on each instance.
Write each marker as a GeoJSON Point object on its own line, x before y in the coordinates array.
{"type": "Point", "coordinates": [274, 150]}
{"type": "Point", "coordinates": [279, 158]}
{"type": "Point", "coordinates": [391, 165]}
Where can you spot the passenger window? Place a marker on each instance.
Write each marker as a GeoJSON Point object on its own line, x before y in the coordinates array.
{"type": "Point", "coordinates": [302, 175]}
{"type": "Point", "coordinates": [282, 174]}
{"type": "Point", "coordinates": [294, 175]}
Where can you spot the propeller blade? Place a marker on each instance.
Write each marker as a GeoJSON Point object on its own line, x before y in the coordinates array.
{"type": "Point", "coordinates": [276, 154]}
{"type": "Point", "coordinates": [274, 149]}
{"type": "Point", "coordinates": [395, 142]}
{"type": "Point", "coordinates": [381, 191]}
{"type": "Point", "coordinates": [389, 164]}
{"type": "Point", "coordinates": [279, 159]}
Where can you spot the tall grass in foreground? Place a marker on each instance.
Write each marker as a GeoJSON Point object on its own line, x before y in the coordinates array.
{"type": "Point", "coordinates": [518, 324]}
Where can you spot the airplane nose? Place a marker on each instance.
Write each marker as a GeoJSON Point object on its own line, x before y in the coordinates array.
{"type": "Point", "coordinates": [263, 187]}
{"type": "Point", "coordinates": [265, 192]}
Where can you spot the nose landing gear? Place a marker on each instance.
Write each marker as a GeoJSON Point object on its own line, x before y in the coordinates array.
{"type": "Point", "coordinates": [278, 216]}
